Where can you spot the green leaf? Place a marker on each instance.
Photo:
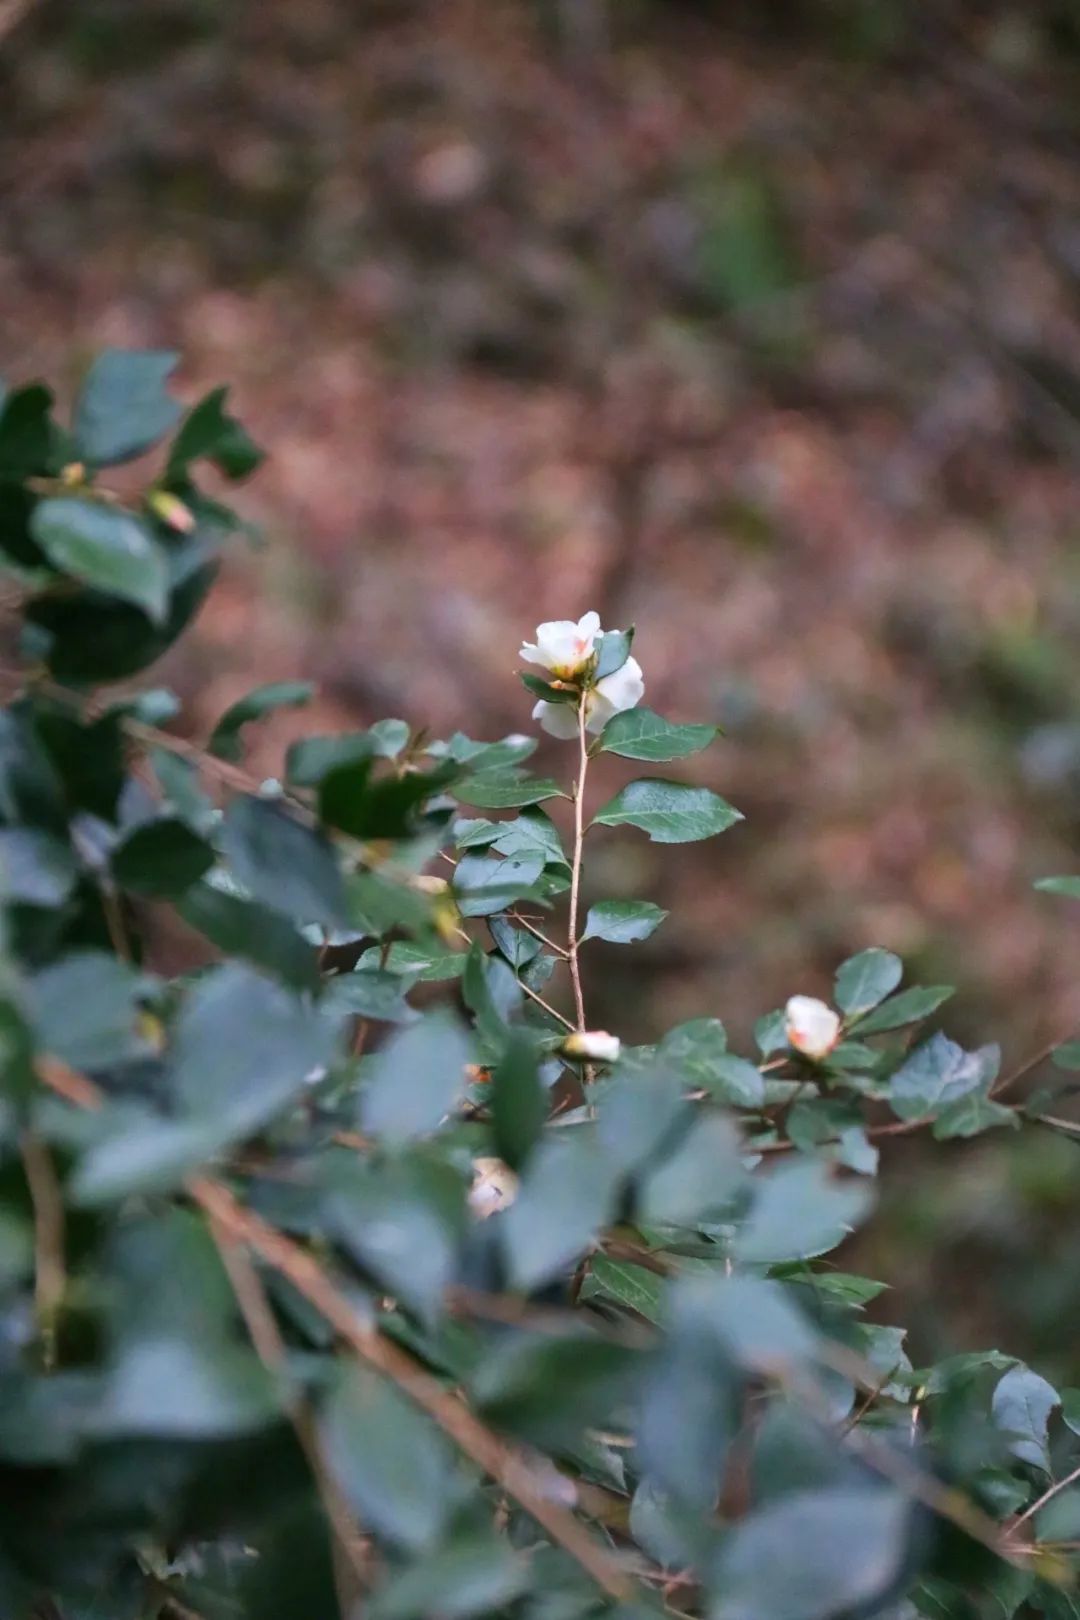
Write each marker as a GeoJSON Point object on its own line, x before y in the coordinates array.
{"type": "Point", "coordinates": [641, 734]}
{"type": "Point", "coordinates": [1068, 886]}
{"type": "Point", "coordinates": [492, 994]}
{"type": "Point", "coordinates": [225, 739]}
{"type": "Point", "coordinates": [250, 930]}
{"type": "Point", "coordinates": [312, 758]}
{"type": "Point", "coordinates": [244, 1048]}
{"type": "Point", "coordinates": [971, 1115]}
{"type": "Point", "coordinates": [485, 884]}
{"type": "Point", "coordinates": [141, 1154]}
{"type": "Point", "coordinates": [85, 1009]}
{"type": "Point", "coordinates": [1070, 1409]}
{"type": "Point", "coordinates": [474, 1573]}
{"type": "Point", "coordinates": [391, 1462]}
{"type": "Point", "coordinates": [506, 790]}
{"type": "Point", "coordinates": [36, 869]}
{"type": "Point", "coordinates": [26, 434]}
{"type": "Point", "coordinates": [613, 649]}
{"type": "Point", "coordinates": [813, 1555]}
{"type": "Point", "coordinates": [106, 547]}
{"type": "Point", "coordinates": [513, 1385]}
{"type": "Point", "coordinates": [162, 858]}
{"type": "Point", "coordinates": [670, 812]}
{"type": "Point", "coordinates": [531, 833]}
{"type": "Point", "coordinates": [417, 1078]}
{"type": "Point", "coordinates": [937, 1074]}
{"type": "Point", "coordinates": [697, 1180]}
{"type": "Point", "coordinates": [519, 1100]}
{"type": "Point", "coordinates": [698, 1049]}
{"type": "Point", "coordinates": [798, 1212]}
{"type": "Point", "coordinates": [372, 993]}
{"type": "Point", "coordinates": [1021, 1407]}
{"type": "Point", "coordinates": [626, 1284]}
{"type": "Point", "coordinates": [182, 1390]}
{"type": "Point", "coordinates": [289, 867]}
{"type": "Point", "coordinates": [866, 979]}
{"type": "Point", "coordinates": [906, 1008]}
{"type": "Point", "coordinates": [688, 1418]}
{"type": "Point", "coordinates": [622, 922]}
{"type": "Point", "coordinates": [209, 431]}
{"type": "Point", "coordinates": [403, 1221]}
{"type": "Point", "coordinates": [514, 943]}
{"type": "Point", "coordinates": [566, 1196]}
{"type": "Point", "coordinates": [430, 964]}
{"type": "Point", "coordinates": [122, 408]}
{"type": "Point", "coordinates": [754, 1321]}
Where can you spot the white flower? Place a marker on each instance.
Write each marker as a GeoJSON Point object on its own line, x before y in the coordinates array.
{"type": "Point", "coordinates": [494, 1186]}
{"type": "Point", "coordinates": [812, 1028]}
{"type": "Point", "coordinates": [596, 1044]}
{"type": "Point", "coordinates": [562, 646]}
{"type": "Point", "coordinates": [624, 689]}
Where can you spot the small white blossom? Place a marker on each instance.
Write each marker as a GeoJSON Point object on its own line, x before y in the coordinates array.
{"type": "Point", "coordinates": [624, 689]}
{"type": "Point", "coordinates": [595, 1044]}
{"type": "Point", "coordinates": [494, 1186]}
{"type": "Point", "coordinates": [812, 1028]}
{"type": "Point", "coordinates": [563, 647]}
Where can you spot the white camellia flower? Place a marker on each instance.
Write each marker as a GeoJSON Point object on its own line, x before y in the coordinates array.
{"type": "Point", "coordinates": [494, 1186]}
{"type": "Point", "coordinates": [624, 689]}
{"type": "Point", "coordinates": [812, 1028]}
{"type": "Point", "coordinates": [596, 1044]}
{"type": "Point", "coordinates": [563, 647]}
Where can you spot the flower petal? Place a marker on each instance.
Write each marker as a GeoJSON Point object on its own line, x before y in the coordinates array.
{"type": "Point", "coordinates": [557, 719]}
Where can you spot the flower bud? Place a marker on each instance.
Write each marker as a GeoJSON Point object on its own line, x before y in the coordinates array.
{"type": "Point", "coordinates": [171, 510]}
{"type": "Point", "coordinates": [594, 1045]}
{"type": "Point", "coordinates": [562, 646]}
{"type": "Point", "coordinates": [812, 1028]}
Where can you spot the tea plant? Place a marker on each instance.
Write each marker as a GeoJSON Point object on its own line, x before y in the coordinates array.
{"type": "Point", "coordinates": [354, 1271]}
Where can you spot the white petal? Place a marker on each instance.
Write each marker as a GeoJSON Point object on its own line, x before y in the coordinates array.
{"type": "Point", "coordinates": [624, 688]}
{"type": "Point", "coordinates": [558, 719]}
{"type": "Point", "coordinates": [598, 711]}
{"type": "Point", "coordinates": [811, 1026]}
{"type": "Point", "coordinates": [593, 1043]}
{"type": "Point", "coordinates": [589, 625]}
{"type": "Point", "coordinates": [531, 654]}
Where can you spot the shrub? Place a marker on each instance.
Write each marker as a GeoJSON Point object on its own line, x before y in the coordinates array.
{"type": "Point", "coordinates": [348, 1272]}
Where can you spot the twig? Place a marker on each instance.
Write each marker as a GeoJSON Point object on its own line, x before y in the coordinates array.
{"type": "Point", "coordinates": [559, 950]}
{"type": "Point", "coordinates": [575, 866]}
{"type": "Point", "coordinates": [291, 1261]}
{"type": "Point", "coordinates": [1041, 1501]}
{"type": "Point", "coordinates": [49, 1271]}
{"type": "Point", "coordinates": [350, 1559]}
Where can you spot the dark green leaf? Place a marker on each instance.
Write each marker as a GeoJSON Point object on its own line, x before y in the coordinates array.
{"type": "Point", "coordinates": [799, 1211]}
{"type": "Point", "coordinates": [640, 734]}
{"type": "Point", "coordinates": [486, 884]}
{"type": "Point", "coordinates": [670, 812]}
{"type": "Point", "coordinates": [531, 833]}
{"type": "Point", "coordinates": [250, 930]}
{"type": "Point", "coordinates": [752, 1320]}
{"type": "Point", "coordinates": [106, 547]}
{"type": "Point", "coordinates": [939, 1073]}
{"type": "Point", "coordinates": [697, 1180]}
{"type": "Point", "coordinates": [183, 1390]}
{"type": "Point", "coordinates": [698, 1050]}
{"type": "Point", "coordinates": [143, 1154]}
{"type": "Point", "coordinates": [403, 1221]}
{"type": "Point", "coordinates": [26, 435]}
{"type": "Point", "coordinates": [492, 994]}
{"type": "Point", "coordinates": [312, 758]}
{"type": "Point", "coordinates": [971, 1115]}
{"type": "Point", "coordinates": [1021, 1406]}
{"type": "Point", "coordinates": [622, 922]}
{"type": "Point", "coordinates": [566, 1196]}
{"type": "Point", "coordinates": [36, 869]}
{"type": "Point", "coordinates": [513, 1385]}
{"type": "Point", "coordinates": [208, 430]}
{"type": "Point", "coordinates": [506, 790]}
{"type": "Point", "coordinates": [613, 649]}
{"type": "Point", "coordinates": [417, 1078]}
{"type": "Point", "coordinates": [866, 979]}
{"type": "Point", "coordinates": [813, 1555]}
{"type": "Point", "coordinates": [244, 1048]}
{"type": "Point", "coordinates": [906, 1008]}
{"type": "Point", "coordinates": [473, 1574]}
{"type": "Point", "coordinates": [688, 1418]}
{"type": "Point", "coordinates": [514, 943]}
{"type": "Point", "coordinates": [391, 1462]}
{"type": "Point", "coordinates": [626, 1284]}
{"type": "Point", "coordinates": [430, 963]}
{"type": "Point", "coordinates": [289, 867]}
{"type": "Point", "coordinates": [85, 1009]}
{"type": "Point", "coordinates": [225, 739]}
{"type": "Point", "coordinates": [372, 993]}
{"type": "Point", "coordinates": [163, 858]}
{"type": "Point", "coordinates": [123, 408]}
{"type": "Point", "coordinates": [519, 1100]}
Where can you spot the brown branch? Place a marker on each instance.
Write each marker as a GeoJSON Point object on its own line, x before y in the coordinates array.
{"type": "Point", "coordinates": [293, 1262]}
{"type": "Point", "coordinates": [575, 866]}
{"type": "Point", "coordinates": [50, 1279]}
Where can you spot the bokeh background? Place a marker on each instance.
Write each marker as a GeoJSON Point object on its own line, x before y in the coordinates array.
{"type": "Point", "coordinates": [757, 324]}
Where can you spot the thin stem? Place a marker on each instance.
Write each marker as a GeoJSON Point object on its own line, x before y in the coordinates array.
{"type": "Point", "coordinates": [529, 928]}
{"type": "Point", "coordinates": [1046, 1496]}
{"type": "Point", "coordinates": [575, 868]}
{"type": "Point", "coordinates": [49, 1271]}
{"type": "Point", "coordinates": [350, 1555]}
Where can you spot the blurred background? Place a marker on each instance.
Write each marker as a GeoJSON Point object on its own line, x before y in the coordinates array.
{"type": "Point", "coordinates": [757, 324]}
